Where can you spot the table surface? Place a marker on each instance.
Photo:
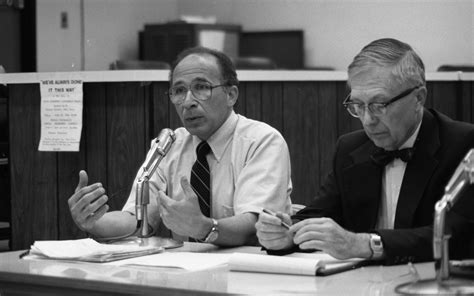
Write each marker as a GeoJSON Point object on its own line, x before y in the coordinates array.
{"type": "Point", "coordinates": [54, 277]}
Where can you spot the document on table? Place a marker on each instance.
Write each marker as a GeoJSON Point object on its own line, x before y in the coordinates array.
{"type": "Point", "coordinates": [319, 264]}
{"type": "Point", "coordinates": [182, 260]}
{"type": "Point", "coordinates": [87, 250]}
{"type": "Point", "coordinates": [297, 263]}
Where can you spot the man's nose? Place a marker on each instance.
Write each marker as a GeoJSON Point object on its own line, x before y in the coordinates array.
{"type": "Point", "coordinates": [189, 99]}
{"type": "Point", "coordinates": [367, 117]}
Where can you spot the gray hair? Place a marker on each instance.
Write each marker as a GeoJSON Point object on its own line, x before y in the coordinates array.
{"type": "Point", "coordinates": [407, 66]}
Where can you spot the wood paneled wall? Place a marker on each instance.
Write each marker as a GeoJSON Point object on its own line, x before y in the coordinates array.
{"type": "Point", "coordinates": [120, 118]}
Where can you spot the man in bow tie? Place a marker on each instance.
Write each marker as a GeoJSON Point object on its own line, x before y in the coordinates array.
{"type": "Point", "coordinates": [378, 201]}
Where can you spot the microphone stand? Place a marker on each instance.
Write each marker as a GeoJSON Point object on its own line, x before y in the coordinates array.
{"type": "Point", "coordinates": [443, 283]}
{"type": "Point", "coordinates": [143, 234]}
{"type": "Point", "coordinates": [142, 194]}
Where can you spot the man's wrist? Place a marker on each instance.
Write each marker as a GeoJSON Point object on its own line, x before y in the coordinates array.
{"type": "Point", "coordinates": [363, 249]}
{"type": "Point", "coordinates": [212, 234]}
{"type": "Point", "coordinates": [205, 229]}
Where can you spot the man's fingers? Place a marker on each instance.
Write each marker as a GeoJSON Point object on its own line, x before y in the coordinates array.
{"type": "Point", "coordinates": [284, 217]}
{"type": "Point", "coordinates": [188, 190]}
{"type": "Point", "coordinates": [270, 236]}
{"type": "Point", "coordinates": [307, 235]}
{"type": "Point", "coordinates": [86, 195]}
{"type": "Point", "coordinates": [265, 218]}
{"type": "Point", "coordinates": [262, 226]}
{"type": "Point", "coordinates": [83, 189]}
{"type": "Point", "coordinates": [83, 180]}
{"type": "Point", "coordinates": [313, 221]}
{"type": "Point", "coordinates": [313, 244]}
{"type": "Point", "coordinates": [164, 200]}
{"type": "Point", "coordinates": [98, 213]}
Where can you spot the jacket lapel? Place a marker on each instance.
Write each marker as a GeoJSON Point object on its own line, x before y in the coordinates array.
{"type": "Point", "coordinates": [418, 171]}
{"type": "Point", "coordinates": [362, 186]}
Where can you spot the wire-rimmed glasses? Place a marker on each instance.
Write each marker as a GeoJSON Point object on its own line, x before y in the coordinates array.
{"type": "Point", "coordinates": [201, 90]}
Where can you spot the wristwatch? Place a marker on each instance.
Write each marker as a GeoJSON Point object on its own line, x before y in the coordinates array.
{"type": "Point", "coordinates": [376, 246]}
{"type": "Point", "coordinates": [214, 233]}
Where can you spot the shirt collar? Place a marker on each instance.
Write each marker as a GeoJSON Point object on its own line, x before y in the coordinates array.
{"type": "Point", "coordinates": [411, 140]}
{"type": "Point", "coordinates": [221, 137]}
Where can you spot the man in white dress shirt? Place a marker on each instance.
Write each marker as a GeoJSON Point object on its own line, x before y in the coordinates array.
{"type": "Point", "coordinates": [247, 161]}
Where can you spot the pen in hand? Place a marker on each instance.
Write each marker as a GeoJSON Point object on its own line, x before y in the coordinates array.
{"type": "Point", "coordinates": [283, 223]}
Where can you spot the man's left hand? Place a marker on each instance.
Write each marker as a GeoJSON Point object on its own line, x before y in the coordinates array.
{"type": "Point", "coordinates": [326, 235]}
{"type": "Point", "coordinates": [184, 217]}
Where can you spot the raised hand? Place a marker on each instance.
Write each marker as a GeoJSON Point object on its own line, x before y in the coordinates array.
{"type": "Point", "coordinates": [88, 203]}
{"type": "Point", "coordinates": [184, 216]}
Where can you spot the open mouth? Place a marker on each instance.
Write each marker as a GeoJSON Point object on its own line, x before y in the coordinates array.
{"type": "Point", "coordinates": [193, 118]}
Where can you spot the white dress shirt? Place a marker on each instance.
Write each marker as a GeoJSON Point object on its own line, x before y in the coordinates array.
{"type": "Point", "coordinates": [392, 178]}
{"type": "Point", "coordinates": [249, 164]}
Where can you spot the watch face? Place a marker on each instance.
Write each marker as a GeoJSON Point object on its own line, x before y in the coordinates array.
{"type": "Point", "coordinates": [212, 237]}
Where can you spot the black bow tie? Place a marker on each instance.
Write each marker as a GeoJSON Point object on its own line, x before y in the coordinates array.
{"type": "Point", "coordinates": [383, 157]}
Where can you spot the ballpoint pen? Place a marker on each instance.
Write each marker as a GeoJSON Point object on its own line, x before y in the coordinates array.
{"type": "Point", "coordinates": [283, 223]}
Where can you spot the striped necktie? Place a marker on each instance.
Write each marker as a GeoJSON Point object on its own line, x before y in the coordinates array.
{"type": "Point", "coordinates": [201, 178]}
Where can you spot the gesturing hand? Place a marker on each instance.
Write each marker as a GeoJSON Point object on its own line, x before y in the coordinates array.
{"type": "Point", "coordinates": [88, 203]}
{"type": "Point", "coordinates": [184, 216]}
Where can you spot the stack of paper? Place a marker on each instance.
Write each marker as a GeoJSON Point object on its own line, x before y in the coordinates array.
{"type": "Point", "coordinates": [302, 264]}
{"type": "Point", "coordinates": [88, 250]}
{"type": "Point", "coordinates": [179, 260]}
{"type": "Point", "coordinates": [311, 264]}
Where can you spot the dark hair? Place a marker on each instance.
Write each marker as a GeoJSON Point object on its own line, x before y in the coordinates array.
{"type": "Point", "coordinates": [227, 68]}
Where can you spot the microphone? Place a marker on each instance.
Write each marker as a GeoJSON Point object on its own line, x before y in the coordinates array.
{"type": "Point", "coordinates": [160, 147]}
{"type": "Point", "coordinates": [463, 176]}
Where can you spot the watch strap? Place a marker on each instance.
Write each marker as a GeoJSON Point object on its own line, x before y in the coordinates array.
{"type": "Point", "coordinates": [213, 233]}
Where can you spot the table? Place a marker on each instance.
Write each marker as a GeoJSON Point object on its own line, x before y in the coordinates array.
{"type": "Point", "coordinates": [54, 277]}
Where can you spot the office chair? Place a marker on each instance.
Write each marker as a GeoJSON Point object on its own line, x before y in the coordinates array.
{"type": "Point", "coordinates": [139, 64]}
{"type": "Point", "coordinates": [255, 63]}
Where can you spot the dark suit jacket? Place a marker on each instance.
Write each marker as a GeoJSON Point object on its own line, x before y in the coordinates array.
{"type": "Point", "coordinates": [351, 193]}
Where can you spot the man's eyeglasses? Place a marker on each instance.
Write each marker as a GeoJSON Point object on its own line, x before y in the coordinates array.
{"type": "Point", "coordinates": [201, 90]}
{"type": "Point", "coordinates": [376, 109]}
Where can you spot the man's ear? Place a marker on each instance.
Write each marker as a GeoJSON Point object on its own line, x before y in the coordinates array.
{"type": "Point", "coordinates": [421, 97]}
{"type": "Point", "coordinates": [232, 95]}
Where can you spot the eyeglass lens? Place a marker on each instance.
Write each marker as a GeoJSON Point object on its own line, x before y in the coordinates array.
{"type": "Point", "coordinates": [200, 90]}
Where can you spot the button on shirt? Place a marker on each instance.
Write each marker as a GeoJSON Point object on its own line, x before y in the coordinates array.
{"type": "Point", "coordinates": [249, 164]}
{"type": "Point", "coordinates": [392, 178]}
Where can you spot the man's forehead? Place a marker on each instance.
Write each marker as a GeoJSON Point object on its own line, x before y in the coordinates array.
{"type": "Point", "coordinates": [373, 80]}
{"type": "Point", "coordinates": [195, 67]}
